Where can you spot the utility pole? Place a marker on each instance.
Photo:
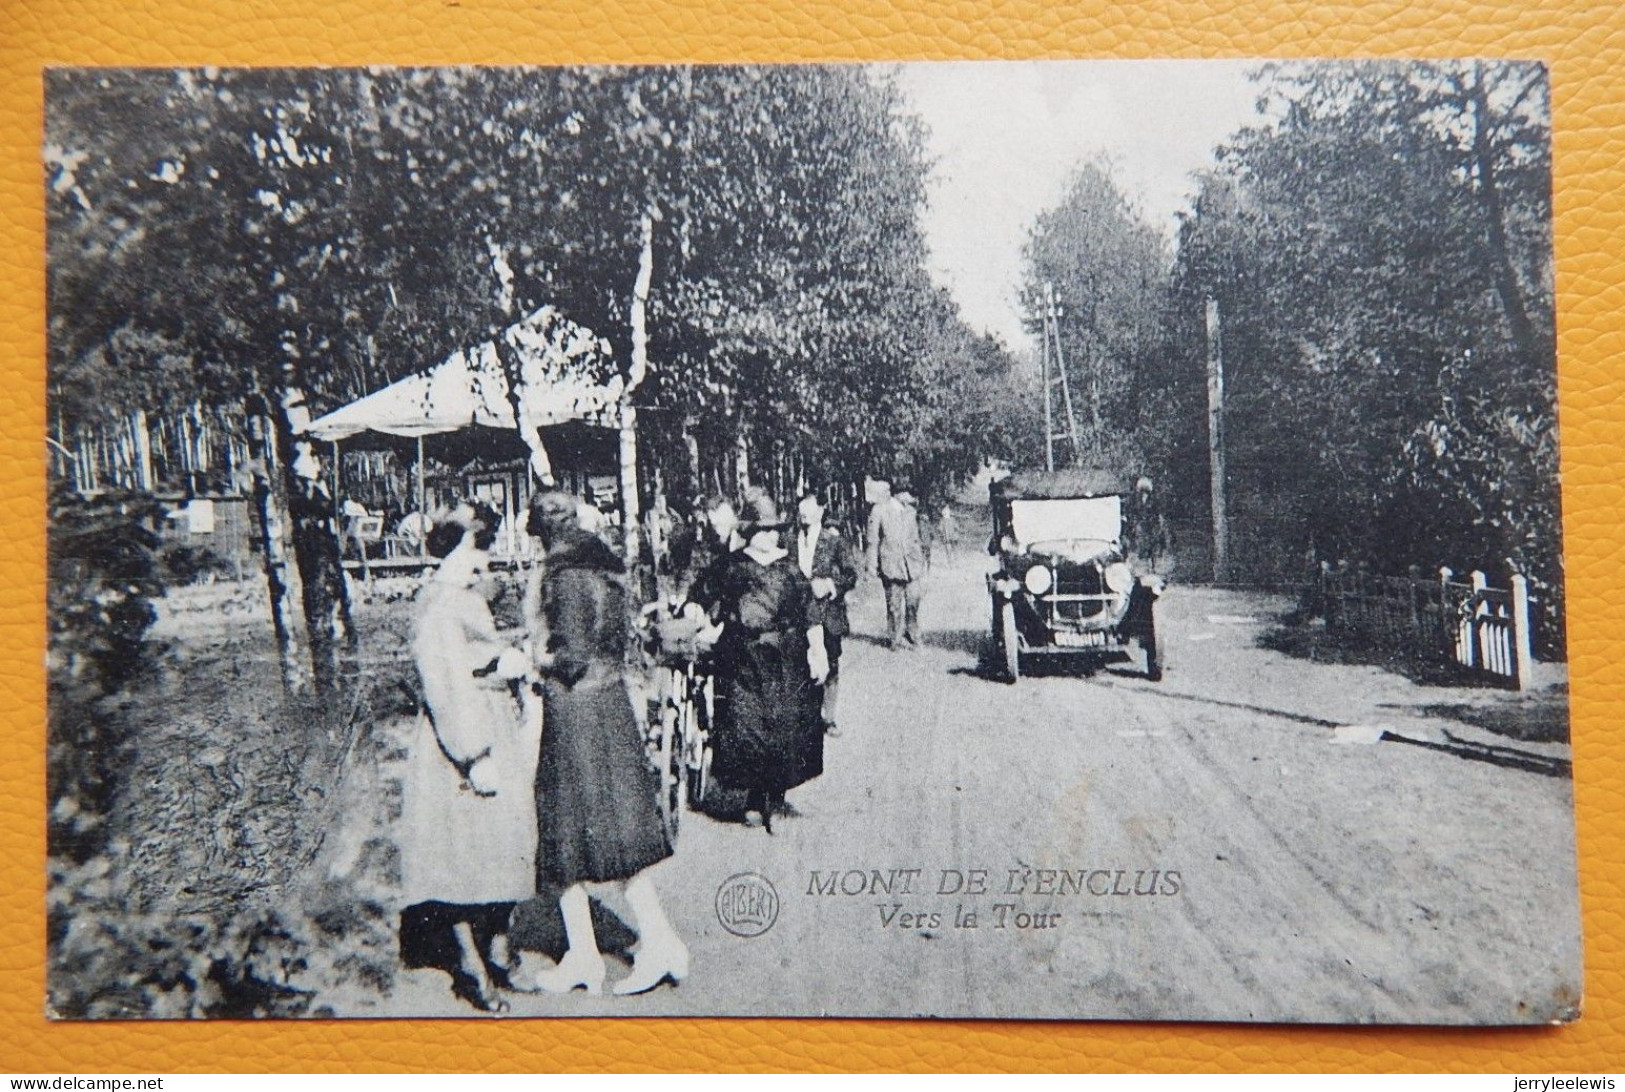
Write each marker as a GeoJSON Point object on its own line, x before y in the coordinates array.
{"type": "Point", "coordinates": [1049, 396]}
{"type": "Point", "coordinates": [1215, 435]}
{"type": "Point", "coordinates": [1065, 428]}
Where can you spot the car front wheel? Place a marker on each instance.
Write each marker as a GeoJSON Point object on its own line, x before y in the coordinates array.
{"type": "Point", "coordinates": [1010, 641]}
{"type": "Point", "coordinates": [1153, 654]}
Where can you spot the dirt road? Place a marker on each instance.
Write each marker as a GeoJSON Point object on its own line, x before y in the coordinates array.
{"type": "Point", "coordinates": [1256, 837]}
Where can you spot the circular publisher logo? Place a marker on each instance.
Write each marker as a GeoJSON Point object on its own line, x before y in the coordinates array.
{"type": "Point", "coordinates": [747, 904]}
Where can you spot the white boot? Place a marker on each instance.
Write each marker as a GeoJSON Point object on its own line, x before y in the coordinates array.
{"type": "Point", "coordinates": [582, 966]}
{"type": "Point", "coordinates": [661, 953]}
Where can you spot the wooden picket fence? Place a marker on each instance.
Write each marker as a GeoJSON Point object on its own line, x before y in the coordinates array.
{"type": "Point", "coordinates": [1467, 623]}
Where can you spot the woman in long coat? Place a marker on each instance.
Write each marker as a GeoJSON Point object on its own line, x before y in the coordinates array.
{"type": "Point", "coordinates": [770, 663]}
{"type": "Point", "coordinates": [468, 823]}
{"type": "Point", "coordinates": [597, 794]}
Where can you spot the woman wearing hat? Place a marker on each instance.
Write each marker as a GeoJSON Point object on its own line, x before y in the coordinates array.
{"type": "Point", "coordinates": [596, 793]}
{"type": "Point", "coordinates": [468, 825]}
{"type": "Point", "coordinates": [770, 667]}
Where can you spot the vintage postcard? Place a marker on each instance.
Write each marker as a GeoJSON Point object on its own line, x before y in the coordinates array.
{"type": "Point", "coordinates": [1008, 540]}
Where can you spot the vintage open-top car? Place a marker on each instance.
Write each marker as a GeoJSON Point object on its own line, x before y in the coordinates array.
{"type": "Point", "coordinates": [1065, 585]}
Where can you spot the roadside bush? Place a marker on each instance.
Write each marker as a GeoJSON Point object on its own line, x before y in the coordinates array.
{"type": "Point", "coordinates": [196, 565]}
{"type": "Point", "coordinates": [100, 585]}
{"type": "Point", "coordinates": [108, 961]}
{"type": "Point", "coordinates": [101, 581]}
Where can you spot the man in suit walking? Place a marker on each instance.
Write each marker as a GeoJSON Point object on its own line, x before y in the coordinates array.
{"type": "Point", "coordinates": [826, 559]}
{"type": "Point", "coordinates": [897, 555]}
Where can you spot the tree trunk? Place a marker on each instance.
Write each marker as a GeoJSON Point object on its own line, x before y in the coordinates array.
{"type": "Point", "coordinates": [1489, 194]}
{"type": "Point", "coordinates": [281, 574]}
{"type": "Point", "coordinates": [636, 373]}
{"type": "Point", "coordinates": [314, 532]}
{"type": "Point", "coordinates": [325, 597]}
{"type": "Point", "coordinates": [691, 449]}
{"type": "Point", "coordinates": [513, 369]}
{"type": "Point", "coordinates": [741, 462]}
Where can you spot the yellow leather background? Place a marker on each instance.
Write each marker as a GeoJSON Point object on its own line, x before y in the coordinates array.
{"type": "Point", "coordinates": [1584, 40]}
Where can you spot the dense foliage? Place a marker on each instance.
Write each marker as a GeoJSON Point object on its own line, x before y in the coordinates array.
{"type": "Point", "coordinates": [1379, 250]}
{"type": "Point", "coordinates": [1381, 258]}
{"type": "Point", "coordinates": [103, 579]}
{"type": "Point", "coordinates": [335, 230]}
{"type": "Point", "coordinates": [246, 248]}
{"type": "Point", "coordinates": [1108, 271]}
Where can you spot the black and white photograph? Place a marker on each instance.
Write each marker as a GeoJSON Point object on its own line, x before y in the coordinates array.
{"type": "Point", "coordinates": [1002, 540]}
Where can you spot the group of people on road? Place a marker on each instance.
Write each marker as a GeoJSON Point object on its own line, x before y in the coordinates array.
{"type": "Point", "coordinates": [529, 775]}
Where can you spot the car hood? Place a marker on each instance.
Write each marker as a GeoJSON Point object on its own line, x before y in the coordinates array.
{"type": "Point", "coordinates": [1077, 551]}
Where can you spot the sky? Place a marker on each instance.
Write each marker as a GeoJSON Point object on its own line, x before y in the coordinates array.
{"type": "Point", "coordinates": [1006, 135]}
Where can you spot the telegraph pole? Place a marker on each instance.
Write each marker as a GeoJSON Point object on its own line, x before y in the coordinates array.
{"type": "Point", "coordinates": [1049, 399]}
{"type": "Point", "coordinates": [1215, 434]}
{"type": "Point", "coordinates": [1056, 429]}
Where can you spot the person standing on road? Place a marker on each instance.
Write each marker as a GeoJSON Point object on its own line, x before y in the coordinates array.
{"type": "Point", "coordinates": [770, 661]}
{"type": "Point", "coordinates": [1150, 540]}
{"type": "Point", "coordinates": [897, 555]}
{"type": "Point", "coordinates": [468, 825]}
{"type": "Point", "coordinates": [825, 558]}
{"type": "Point", "coordinates": [877, 494]}
{"type": "Point", "coordinates": [713, 535]}
{"type": "Point", "coordinates": [596, 793]}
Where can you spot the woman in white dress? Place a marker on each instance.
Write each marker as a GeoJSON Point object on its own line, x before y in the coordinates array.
{"type": "Point", "coordinates": [468, 824]}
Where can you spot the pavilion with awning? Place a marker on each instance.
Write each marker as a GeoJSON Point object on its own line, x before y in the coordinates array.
{"type": "Point", "coordinates": [559, 366]}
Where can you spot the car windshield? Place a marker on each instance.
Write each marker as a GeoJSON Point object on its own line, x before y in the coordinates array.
{"type": "Point", "coordinates": [1098, 518]}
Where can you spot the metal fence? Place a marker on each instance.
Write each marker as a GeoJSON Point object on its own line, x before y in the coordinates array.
{"type": "Point", "coordinates": [1482, 629]}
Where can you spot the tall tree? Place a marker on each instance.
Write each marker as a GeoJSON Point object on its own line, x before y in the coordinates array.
{"type": "Point", "coordinates": [745, 240]}
{"type": "Point", "coordinates": [1109, 272]}
{"type": "Point", "coordinates": [229, 236]}
{"type": "Point", "coordinates": [1381, 251]}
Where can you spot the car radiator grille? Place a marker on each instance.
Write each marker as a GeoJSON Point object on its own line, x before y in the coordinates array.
{"type": "Point", "coordinates": [1085, 582]}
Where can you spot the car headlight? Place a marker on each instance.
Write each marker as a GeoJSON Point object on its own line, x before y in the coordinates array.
{"type": "Point", "coordinates": [1119, 577]}
{"type": "Point", "coordinates": [1038, 579]}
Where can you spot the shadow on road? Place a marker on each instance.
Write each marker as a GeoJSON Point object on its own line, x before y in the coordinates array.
{"type": "Point", "coordinates": [1536, 718]}
{"type": "Point", "coordinates": [1508, 757]}
{"type": "Point", "coordinates": [539, 927]}
{"type": "Point", "coordinates": [990, 668]}
{"type": "Point", "coordinates": [970, 641]}
{"type": "Point", "coordinates": [1308, 639]}
{"type": "Point", "coordinates": [1261, 710]}
{"type": "Point", "coordinates": [869, 639]}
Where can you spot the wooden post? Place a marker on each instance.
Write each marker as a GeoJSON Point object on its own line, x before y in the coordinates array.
{"type": "Point", "coordinates": [346, 528]}
{"type": "Point", "coordinates": [337, 485]}
{"type": "Point", "coordinates": [1215, 417]}
{"type": "Point", "coordinates": [1475, 654]}
{"type": "Point", "coordinates": [142, 454]}
{"type": "Point", "coordinates": [423, 508]}
{"type": "Point", "coordinates": [1523, 638]}
{"type": "Point", "coordinates": [1049, 398]}
{"type": "Point", "coordinates": [1447, 620]}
